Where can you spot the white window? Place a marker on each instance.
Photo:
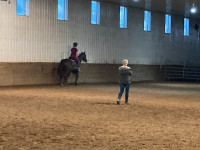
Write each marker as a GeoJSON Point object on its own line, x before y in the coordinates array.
{"type": "Point", "coordinates": [167, 23]}
{"type": "Point", "coordinates": [23, 7]}
{"type": "Point", "coordinates": [147, 21]}
{"type": "Point", "coordinates": [95, 12]}
{"type": "Point", "coordinates": [186, 27]}
{"type": "Point", "coordinates": [62, 10]}
{"type": "Point", "coordinates": [123, 17]}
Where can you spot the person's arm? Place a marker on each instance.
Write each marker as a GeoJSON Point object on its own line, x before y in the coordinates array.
{"type": "Point", "coordinates": [76, 52]}
{"type": "Point", "coordinates": [130, 72]}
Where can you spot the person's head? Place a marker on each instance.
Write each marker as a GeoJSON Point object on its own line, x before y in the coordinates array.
{"type": "Point", "coordinates": [75, 44]}
{"type": "Point", "coordinates": [125, 62]}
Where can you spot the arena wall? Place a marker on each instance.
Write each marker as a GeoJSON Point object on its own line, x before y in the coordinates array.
{"type": "Point", "coordinates": [46, 73]}
{"type": "Point", "coordinates": [31, 46]}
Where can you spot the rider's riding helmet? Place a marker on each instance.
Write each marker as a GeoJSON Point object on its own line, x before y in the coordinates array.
{"type": "Point", "coordinates": [75, 44]}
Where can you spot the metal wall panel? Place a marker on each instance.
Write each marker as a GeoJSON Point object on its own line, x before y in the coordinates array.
{"type": "Point", "coordinates": [40, 37]}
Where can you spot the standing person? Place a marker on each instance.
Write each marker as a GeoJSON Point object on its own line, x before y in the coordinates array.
{"type": "Point", "coordinates": [125, 74]}
{"type": "Point", "coordinates": [74, 54]}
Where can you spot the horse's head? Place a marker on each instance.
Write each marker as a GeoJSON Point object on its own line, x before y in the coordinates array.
{"type": "Point", "coordinates": [82, 56]}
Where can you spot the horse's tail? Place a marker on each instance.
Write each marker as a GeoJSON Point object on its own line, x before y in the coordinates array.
{"type": "Point", "coordinates": [60, 67]}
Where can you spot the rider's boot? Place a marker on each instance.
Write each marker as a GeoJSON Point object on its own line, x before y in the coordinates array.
{"type": "Point", "coordinates": [78, 67]}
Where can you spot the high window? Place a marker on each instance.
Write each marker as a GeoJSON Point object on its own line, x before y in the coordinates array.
{"type": "Point", "coordinates": [95, 12]}
{"type": "Point", "coordinates": [186, 27]}
{"type": "Point", "coordinates": [147, 21]}
{"type": "Point", "coordinates": [123, 17]}
{"type": "Point", "coordinates": [167, 23]}
{"type": "Point", "coordinates": [22, 7]}
{"type": "Point", "coordinates": [62, 10]}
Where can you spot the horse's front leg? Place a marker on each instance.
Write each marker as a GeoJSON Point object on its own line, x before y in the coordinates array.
{"type": "Point", "coordinates": [77, 75]}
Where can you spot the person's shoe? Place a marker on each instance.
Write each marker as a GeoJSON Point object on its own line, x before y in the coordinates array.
{"type": "Point", "coordinates": [118, 102]}
{"type": "Point", "coordinates": [127, 103]}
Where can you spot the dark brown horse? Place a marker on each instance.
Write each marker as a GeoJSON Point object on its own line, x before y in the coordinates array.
{"type": "Point", "coordinates": [68, 66]}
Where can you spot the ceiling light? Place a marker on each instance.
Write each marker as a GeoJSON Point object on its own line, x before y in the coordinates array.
{"type": "Point", "coordinates": [193, 9]}
{"type": "Point", "coordinates": [135, 0]}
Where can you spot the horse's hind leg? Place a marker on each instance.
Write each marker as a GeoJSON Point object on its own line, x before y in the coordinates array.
{"type": "Point", "coordinates": [61, 81]}
{"type": "Point", "coordinates": [67, 76]}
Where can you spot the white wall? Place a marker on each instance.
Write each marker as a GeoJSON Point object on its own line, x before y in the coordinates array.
{"type": "Point", "coordinates": [40, 37]}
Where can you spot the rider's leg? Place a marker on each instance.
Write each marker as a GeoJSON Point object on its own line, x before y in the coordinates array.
{"type": "Point", "coordinates": [77, 66]}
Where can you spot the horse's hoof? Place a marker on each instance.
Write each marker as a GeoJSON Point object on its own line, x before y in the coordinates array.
{"type": "Point", "coordinates": [61, 84]}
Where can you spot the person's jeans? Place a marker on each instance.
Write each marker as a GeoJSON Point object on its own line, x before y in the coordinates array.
{"type": "Point", "coordinates": [122, 87]}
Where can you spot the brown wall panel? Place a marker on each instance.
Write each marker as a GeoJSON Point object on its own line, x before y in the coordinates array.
{"type": "Point", "coordinates": [46, 73]}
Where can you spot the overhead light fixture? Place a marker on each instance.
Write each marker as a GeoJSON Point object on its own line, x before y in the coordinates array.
{"type": "Point", "coordinates": [193, 9]}
{"type": "Point", "coordinates": [136, 0]}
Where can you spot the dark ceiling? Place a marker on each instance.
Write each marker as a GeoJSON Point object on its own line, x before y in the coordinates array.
{"type": "Point", "coordinates": [176, 7]}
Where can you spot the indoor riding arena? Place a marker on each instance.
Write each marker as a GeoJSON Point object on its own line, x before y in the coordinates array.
{"type": "Point", "coordinates": [42, 109]}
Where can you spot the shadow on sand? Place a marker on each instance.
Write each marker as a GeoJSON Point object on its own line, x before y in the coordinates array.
{"type": "Point", "coordinates": [104, 103]}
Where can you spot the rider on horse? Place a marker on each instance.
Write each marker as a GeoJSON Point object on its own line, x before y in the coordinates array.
{"type": "Point", "coordinates": [74, 56]}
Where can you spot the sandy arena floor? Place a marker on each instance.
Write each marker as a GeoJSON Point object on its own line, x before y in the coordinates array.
{"type": "Point", "coordinates": [162, 116]}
